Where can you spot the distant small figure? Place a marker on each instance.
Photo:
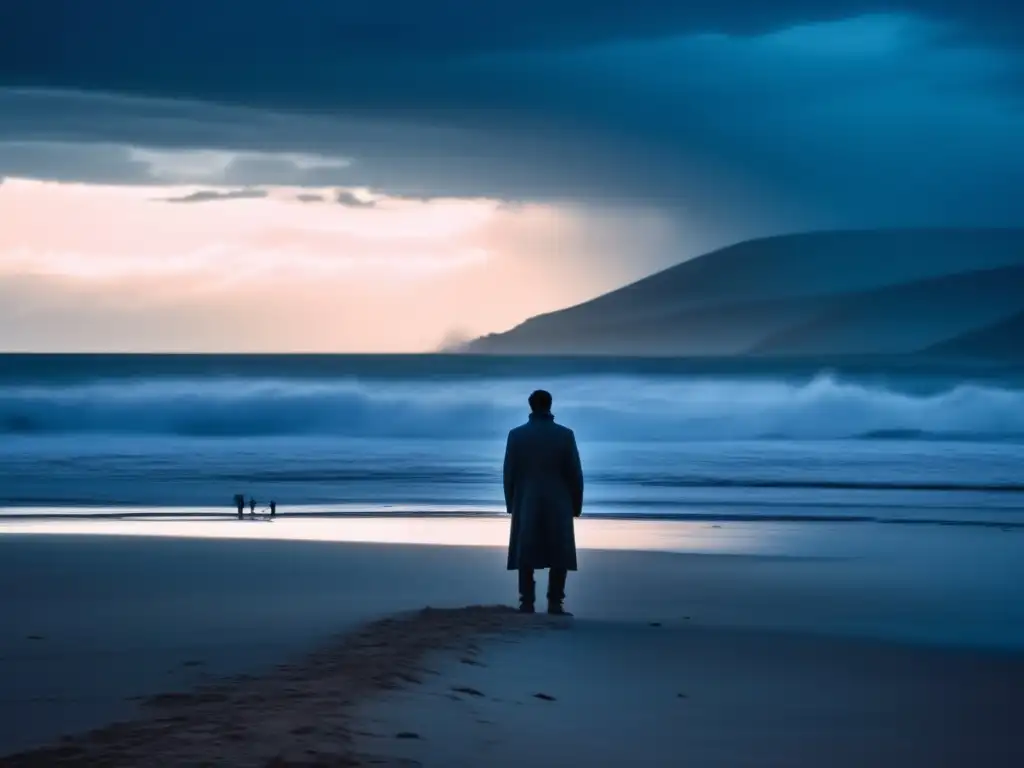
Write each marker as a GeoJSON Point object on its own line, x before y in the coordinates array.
{"type": "Point", "coordinates": [240, 504]}
{"type": "Point", "coordinates": [273, 508]}
{"type": "Point", "coordinates": [252, 507]}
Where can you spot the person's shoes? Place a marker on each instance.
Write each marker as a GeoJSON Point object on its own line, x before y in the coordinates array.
{"type": "Point", "coordinates": [526, 608]}
{"type": "Point", "coordinates": [556, 609]}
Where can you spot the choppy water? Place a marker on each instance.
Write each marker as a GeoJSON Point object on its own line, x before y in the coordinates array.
{"type": "Point", "coordinates": [352, 434]}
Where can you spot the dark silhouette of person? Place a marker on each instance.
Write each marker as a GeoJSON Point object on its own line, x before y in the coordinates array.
{"type": "Point", "coordinates": [252, 507]}
{"type": "Point", "coordinates": [543, 482]}
{"type": "Point", "coordinates": [273, 508]}
{"type": "Point", "coordinates": [240, 504]}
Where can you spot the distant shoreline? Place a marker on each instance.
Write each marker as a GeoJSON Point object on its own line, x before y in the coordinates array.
{"type": "Point", "coordinates": [180, 514]}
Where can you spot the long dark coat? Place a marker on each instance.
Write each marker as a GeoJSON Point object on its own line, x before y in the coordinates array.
{"type": "Point", "coordinates": [543, 493]}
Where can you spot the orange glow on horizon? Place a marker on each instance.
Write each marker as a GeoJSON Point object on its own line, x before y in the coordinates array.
{"type": "Point", "coordinates": [122, 268]}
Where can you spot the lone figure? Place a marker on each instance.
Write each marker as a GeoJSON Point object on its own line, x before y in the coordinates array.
{"type": "Point", "coordinates": [543, 492]}
{"type": "Point", "coordinates": [239, 504]}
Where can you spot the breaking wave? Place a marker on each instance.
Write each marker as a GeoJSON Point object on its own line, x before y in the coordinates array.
{"type": "Point", "coordinates": [597, 407]}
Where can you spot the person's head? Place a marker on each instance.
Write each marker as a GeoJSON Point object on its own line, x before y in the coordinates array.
{"type": "Point", "coordinates": [540, 401]}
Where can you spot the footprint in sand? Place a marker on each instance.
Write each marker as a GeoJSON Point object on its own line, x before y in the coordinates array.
{"type": "Point", "coordinates": [544, 697]}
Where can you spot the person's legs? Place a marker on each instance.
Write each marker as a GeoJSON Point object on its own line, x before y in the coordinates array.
{"type": "Point", "coordinates": [527, 589]}
{"type": "Point", "coordinates": [556, 589]}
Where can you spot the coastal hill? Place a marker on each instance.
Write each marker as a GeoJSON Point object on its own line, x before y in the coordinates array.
{"type": "Point", "coordinates": [1002, 340]}
{"type": "Point", "coordinates": [872, 292]}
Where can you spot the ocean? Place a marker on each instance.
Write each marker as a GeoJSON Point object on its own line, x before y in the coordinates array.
{"type": "Point", "coordinates": [424, 435]}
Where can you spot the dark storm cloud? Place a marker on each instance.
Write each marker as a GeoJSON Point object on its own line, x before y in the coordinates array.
{"type": "Point", "coordinates": [213, 195]}
{"type": "Point", "coordinates": [257, 49]}
{"type": "Point", "coordinates": [798, 111]}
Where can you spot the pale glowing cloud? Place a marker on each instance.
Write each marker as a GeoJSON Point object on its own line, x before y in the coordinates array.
{"type": "Point", "coordinates": [116, 232]}
{"type": "Point", "coordinates": [94, 267]}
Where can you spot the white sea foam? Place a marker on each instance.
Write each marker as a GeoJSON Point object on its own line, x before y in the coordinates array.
{"type": "Point", "coordinates": [598, 407]}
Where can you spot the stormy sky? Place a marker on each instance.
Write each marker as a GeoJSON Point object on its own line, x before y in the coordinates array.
{"type": "Point", "coordinates": [705, 122]}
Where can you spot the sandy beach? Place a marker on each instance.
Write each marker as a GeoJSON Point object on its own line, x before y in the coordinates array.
{"type": "Point", "coordinates": [619, 694]}
{"type": "Point", "coordinates": [879, 655]}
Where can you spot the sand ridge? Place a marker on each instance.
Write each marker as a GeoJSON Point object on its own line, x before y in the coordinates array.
{"type": "Point", "coordinates": [298, 715]}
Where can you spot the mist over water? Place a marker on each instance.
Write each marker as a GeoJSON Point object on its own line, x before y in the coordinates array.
{"type": "Point", "coordinates": [348, 433]}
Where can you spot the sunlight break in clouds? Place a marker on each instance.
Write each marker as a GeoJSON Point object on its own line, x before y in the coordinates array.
{"type": "Point", "coordinates": [94, 267]}
{"type": "Point", "coordinates": [231, 238]}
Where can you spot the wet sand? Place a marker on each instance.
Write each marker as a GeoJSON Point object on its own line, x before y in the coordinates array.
{"type": "Point", "coordinates": [97, 625]}
{"type": "Point", "coordinates": [487, 686]}
{"type": "Point", "coordinates": [299, 713]}
{"type": "Point", "coordinates": [635, 694]}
